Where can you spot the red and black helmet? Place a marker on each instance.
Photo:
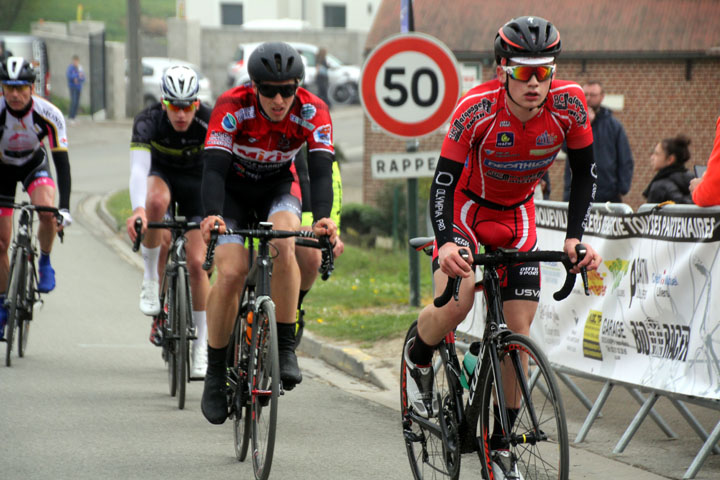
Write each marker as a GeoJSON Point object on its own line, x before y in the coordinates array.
{"type": "Point", "coordinates": [527, 37]}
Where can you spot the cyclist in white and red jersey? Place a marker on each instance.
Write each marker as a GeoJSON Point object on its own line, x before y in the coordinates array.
{"type": "Point", "coordinates": [503, 136]}
{"type": "Point", "coordinates": [25, 120]}
{"type": "Point", "coordinates": [255, 131]}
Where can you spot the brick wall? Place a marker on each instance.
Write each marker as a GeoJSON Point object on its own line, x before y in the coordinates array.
{"type": "Point", "coordinates": [659, 103]}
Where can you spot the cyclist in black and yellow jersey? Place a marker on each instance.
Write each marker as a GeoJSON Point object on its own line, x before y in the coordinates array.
{"type": "Point", "coordinates": [166, 165]}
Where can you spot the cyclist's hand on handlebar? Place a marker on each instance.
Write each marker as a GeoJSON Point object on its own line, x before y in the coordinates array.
{"type": "Point", "coordinates": [451, 263]}
{"type": "Point", "coordinates": [325, 226]}
{"type": "Point", "coordinates": [590, 262]}
{"type": "Point", "coordinates": [65, 219]}
{"type": "Point", "coordinates": [208, 224]}
{"type": "Point", "coordinates": [130, 223]}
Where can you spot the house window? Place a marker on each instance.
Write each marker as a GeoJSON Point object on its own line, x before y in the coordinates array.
{"type": "Point", "coordinates": [231, 14]}
{"type": "Point", "coordinates": [334, 16]}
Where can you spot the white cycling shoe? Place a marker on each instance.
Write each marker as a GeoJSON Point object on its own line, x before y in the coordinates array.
{"type": "Point", "coordinates": [420, 387]}
{"type": "Point", "coordinates": [199, 362]}
{"type": "Point", "coordinates": [149, 301]}
{"type": "Point", "coordinates": [504, 466]}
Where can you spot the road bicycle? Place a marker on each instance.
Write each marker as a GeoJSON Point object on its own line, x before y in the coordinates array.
{"type": "Point", "coordinates": [175, 317]}
{"type": "Point", "coordinates": [22, 293]}
{"type": "Point", "coordinates": [537, 440]}
{"type": "Point", "coordinates": [253, 375]}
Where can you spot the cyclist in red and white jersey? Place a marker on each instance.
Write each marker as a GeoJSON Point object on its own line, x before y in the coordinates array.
{"type": "Point", "coordinates": [503, 137]}
{"type": "Point", "coordinates": [254, 133]}
{"type": "Point", "coordinates": [25, 120]}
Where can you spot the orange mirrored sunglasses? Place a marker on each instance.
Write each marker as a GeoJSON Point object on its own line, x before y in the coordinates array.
{"type": "Point", "coordinates": [525, 72]}
{"type": "Point", "coordinates": [185, 108]}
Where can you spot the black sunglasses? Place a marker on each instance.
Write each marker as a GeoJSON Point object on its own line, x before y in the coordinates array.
{"type": "Point", "coordinates": [269, 91]}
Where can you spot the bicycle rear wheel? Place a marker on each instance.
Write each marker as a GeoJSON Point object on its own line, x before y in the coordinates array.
{"type": "Point", "coordinates": [240, 349]}
{"type": "Point", "coordinates": [538, 454]}
{"type": "Point", "coordinates": [431, 453]}
{"type": "Point", "coordinates": [14, 302]}
{"type": "Point", "coordinates": [265, 385]}
{"type": "Point", "coordinates": [182, 309]}
{"type": "Point", "coordinates": [24, 325]}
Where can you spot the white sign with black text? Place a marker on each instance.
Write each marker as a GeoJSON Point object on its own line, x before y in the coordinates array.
{"type": "Point", "coordinates": [404, 165]}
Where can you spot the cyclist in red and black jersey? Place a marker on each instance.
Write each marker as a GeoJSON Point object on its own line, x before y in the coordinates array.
{"type": "Point", "coordinates": [25, 121]}
{"type": "Point", "coordinates": [503, 136]}
{"type": "Point", "coordinates": [166, 166]}
{"type": "Point", "coordinates": [255, 131]}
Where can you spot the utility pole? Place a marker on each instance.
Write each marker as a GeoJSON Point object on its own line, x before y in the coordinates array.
{"type": "Point", "coordinates": [134, 97]}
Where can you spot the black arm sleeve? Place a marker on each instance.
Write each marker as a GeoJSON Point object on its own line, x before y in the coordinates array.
{"type": "Point", "coordinates": [301, 167]}
{"type": "Point", "coordinates": [582, 190]}
{"type": "Point", "coordinates": [442, 193]}
{"type": "Point", "coordinates": [321, 190]}
{"type": "Point", "coordinates": [62, 168]}
{"type": "Point", "coordinates": [216, 164]}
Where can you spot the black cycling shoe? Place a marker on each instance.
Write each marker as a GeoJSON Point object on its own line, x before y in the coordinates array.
{"type": "Point", "coordinates": [214, 399]}
{"type": "Point", "coordinates": [289, 370]}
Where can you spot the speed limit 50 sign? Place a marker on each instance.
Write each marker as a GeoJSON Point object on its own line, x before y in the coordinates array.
{"type": "Point", "coordinates": [409, 85]}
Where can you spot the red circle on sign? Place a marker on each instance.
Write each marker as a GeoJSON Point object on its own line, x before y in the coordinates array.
{"type": "Point", "coordinates": [410, 43]}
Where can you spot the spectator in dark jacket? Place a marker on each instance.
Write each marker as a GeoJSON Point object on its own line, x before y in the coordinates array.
{"type": "Point", "coordinates": [672, 180]}
{"type": "Point", "coordinates": [613, 158]}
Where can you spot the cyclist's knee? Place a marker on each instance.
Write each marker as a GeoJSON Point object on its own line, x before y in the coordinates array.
{"type": "Point", "coordinates": [156, 204]}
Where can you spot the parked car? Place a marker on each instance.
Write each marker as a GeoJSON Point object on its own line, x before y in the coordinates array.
{"type": "Point", "coordinates": [343, 79]}
{"type": "Point", "coordinates": [32, 49]}
{"type": "Point", "coordinates": [152, 72]}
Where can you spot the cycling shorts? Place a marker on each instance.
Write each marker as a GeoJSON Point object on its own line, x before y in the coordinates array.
{"type": "Point", "coordinates": [32, 174]}
{"type": "Point", "coordinates": [185, 188]}
{"type": "Point", "coordinates": [248, 203]}
{"type": "Point", "coordinates": [476, 225]}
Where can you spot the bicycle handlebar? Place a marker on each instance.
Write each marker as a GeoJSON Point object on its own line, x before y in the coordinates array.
{"type": "Point", "coordinates": [38, 208]}
{"type": "Point", "coordinates": [176, 223]}
{"type": "Point", "coordinates": [509, 257]}
{"type": "Point", "coordinates": [327, 264]}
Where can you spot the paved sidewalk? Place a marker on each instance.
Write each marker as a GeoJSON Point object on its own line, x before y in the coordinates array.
{"type": "Point", "coordinates": [380, 380]}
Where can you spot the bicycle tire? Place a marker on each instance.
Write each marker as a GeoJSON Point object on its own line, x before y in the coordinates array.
{"type": "Point", "coordinates": [24, 327]}
{"type": "Point", "coordinates": [171, 328]}
{"type": "Point", "coordinates": [181, 338]}
{"type": "Point", "coordinates": [428, 453]}
{"type": "Point", "coordinates": [536, 457]}
{"type": "Point", "coordinates": [265, 385]}
{"type": "Point", "coordinates": [14, 297]}
{"type": "Point", "coordinates": [240, 349]}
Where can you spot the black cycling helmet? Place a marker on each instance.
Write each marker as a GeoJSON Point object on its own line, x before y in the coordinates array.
{"type": "Point", "coordinates": [275, 62]}
{"type": "Point", "coordinates": [16, 71]}
{"type": "Point", "coordinates": [527, 37]}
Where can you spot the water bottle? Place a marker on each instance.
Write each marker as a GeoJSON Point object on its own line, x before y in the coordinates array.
{"type": "Point", "coordinates": [469, 363]}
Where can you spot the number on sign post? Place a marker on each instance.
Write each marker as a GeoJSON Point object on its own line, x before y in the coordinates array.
{"type": "Point", "coordinates": [410, 84]}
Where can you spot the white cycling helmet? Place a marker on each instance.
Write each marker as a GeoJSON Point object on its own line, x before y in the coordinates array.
{"type": "Point", "coordinates": [180, 85]}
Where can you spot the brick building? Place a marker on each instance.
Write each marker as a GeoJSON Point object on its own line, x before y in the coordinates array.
{"type": "Point", "coordinates": [659, 62]}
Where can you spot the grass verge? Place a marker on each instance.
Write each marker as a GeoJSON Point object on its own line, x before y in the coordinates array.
{"type": "Point", "coordinates": [365, 300]}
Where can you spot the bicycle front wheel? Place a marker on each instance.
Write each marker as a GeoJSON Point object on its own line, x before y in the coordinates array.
{"type": "Point", "coordinates": [433, 445]}
{"type": "Point", "coordinates": [239, 361]}
{"type": "Point", "coordinates": [14, 302]}
{"type": "Point", "coordinates": [24, 324]}
{"type": "Point", "coordinates": [538, 439]}
{"type": "Point", "coordinates": [182, 311]}
{"type": "Point", "coordinates": [170, 330]}
{"type": "Point", "coordinates": [265, 387]}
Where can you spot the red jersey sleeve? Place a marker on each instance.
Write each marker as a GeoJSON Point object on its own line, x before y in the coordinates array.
{"type": "Point", "coordinates": [707, 192]}
{"type": "Point", "coordinates": [223, 123]}
{"type": "Point", "coordinates": [568, 97]}
{"type": "Point", "coordinates": [314, 118]}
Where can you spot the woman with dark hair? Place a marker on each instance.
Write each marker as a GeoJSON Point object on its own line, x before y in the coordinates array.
{"type": "Point", "coordinates": [672, 179]}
